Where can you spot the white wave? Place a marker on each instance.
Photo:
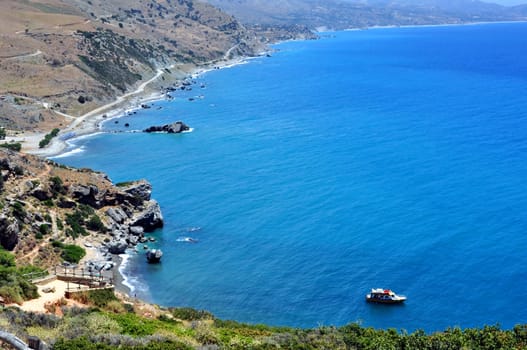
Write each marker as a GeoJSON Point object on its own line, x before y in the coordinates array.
{"type": "Point", "coordinates": [122, 268]}
{"type": "Point", "coordinates": [70, 153]}
{"type": "Point", "coordinates": [129, 280]}
{"type": "Point", "coordinates": [188, 131]}
{"type": "Point", "coordinates": [187, 240]}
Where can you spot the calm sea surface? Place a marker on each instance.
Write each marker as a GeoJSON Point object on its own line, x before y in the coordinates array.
{"type": "Point", "coordinates": [392, 158]}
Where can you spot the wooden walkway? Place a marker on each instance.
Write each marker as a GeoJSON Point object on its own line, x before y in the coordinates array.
{"type": "Point", "coordinates": [77, 278]}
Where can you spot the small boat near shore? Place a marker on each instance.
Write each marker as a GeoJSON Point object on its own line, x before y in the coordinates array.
{"type": "Point", "coordinates": [154, 256]}
{"type": "Point", "coordinates": [384, 296]}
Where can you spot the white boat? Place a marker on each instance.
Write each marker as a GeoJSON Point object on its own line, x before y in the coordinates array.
{"type": "Point", "coordinates": [384, 296]}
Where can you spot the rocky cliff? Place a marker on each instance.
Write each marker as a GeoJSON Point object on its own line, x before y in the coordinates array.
{"type": "Point", "coordinates": [44, 202]}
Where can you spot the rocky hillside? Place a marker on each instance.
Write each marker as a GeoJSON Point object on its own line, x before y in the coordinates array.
{"type": "Point", "coordinates": [343, 14]}
{"type": "Point", "coordinates": [62, 58]}
{"type": "Point", "coordinates": [44, 205]}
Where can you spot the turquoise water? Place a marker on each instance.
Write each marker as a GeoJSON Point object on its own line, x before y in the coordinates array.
{"type": "Point", "coordinates": [392, 158]}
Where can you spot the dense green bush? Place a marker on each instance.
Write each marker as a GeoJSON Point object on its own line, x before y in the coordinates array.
{"type": "Point", "coordinates": [18, 211]}
{"type": "Point", "coordinates": [70, 252]}
{"type": "Point", "coordinates": [14, 285]}
{"type": "Point", "coordinates": [14, 146]}
{"type": "Point", "coordinates": [95, 224]}
{"type": "Point", "coordinates": [98, 298]}
{"type": "Point", "coordinates": [47, 139]}
{"type": "Point", "coordinates": [18, 170]}
{"type": "Point", "coordinates": [135, 325]}
{"type": "Point", "coordinates": [95, 329]}
{"type": "Point", "coordinates": [190, 314]}
{"type": "Point", "coordinates": [60, 225]}
{"type": "Point", "coordinates": [56, 186]}
{"type": "Point", "coordinates": [75, 221]}
{"type": "Point", "coordinates": [44, 229]}
{"type": "Point", "coordinates": [85, 344]}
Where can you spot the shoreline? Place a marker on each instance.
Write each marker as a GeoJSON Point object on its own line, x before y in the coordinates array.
{"type": "Point", "coordinates": [352, 29]}
{"type": "Point", "coordinates": [89, 123]}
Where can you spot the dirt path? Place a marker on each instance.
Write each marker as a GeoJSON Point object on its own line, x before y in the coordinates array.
{"type": "Point", "coordinates": [26, 55]}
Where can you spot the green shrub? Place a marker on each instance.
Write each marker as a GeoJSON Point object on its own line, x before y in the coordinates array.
{"type": "Point", "coordinates": [136, 326]}
{"type": "Point", "coordinates": [124, 183]}
{"type": "Point", "coordinates": [95, 224]}
{"type": "Point", "coordinates": [99, 298]}
{"type": "Point", "coordinates": [83, 343]}
{"type": "Point", "coordinates": [6, 258]}
{"type": "Point", "coordinates": [11, 294]}
{"type": "Point", "coordinates": [18, 211]}
{"type": "Point", "coordinates": [190, 314]}
{"type": "Point", "coordinates": [75, 221]}
{"type": "Point", "coordinates": [70, 252]}
{"type": "Point", "coordinates": [48, 203]}
{"type": "Point", "coordinates": [60, 225]}
{"type": "Point", "coordinates": [18, 170]}
{"type": "Point", "coordinates": [14, 286]}
{"type": "Point", "coordinates": [56, 186]}
{"type": "Point", "coordinates": [44, 229]}
{"type": "Point", "coordinates": [47, 139]}
{"type": "Point", "coordinates": [14, 146]}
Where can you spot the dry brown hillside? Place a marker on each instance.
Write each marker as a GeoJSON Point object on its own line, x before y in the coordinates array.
{"type": "Point", "coordinates": [62, 58]}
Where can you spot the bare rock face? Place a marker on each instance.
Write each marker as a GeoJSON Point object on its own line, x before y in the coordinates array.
{"type": "Point", "coordinates": [150, 218]}
{"type": "Point", "coordinates": [141, 189]}
{"type": "Point", "coordinates": [137, 231]}
{"type": "Point", "coordinates": [9, 231]}
{"type": "Point", "coordinates": [88, 195]}
{"type": "Point", "coordinates": [117, 214]}
{"type": "Point", "coordinates": [41, 193]}
{"type": "Point", "coordinates": [174, 128]}
{"type": "Point", "coordinates": [117, 246]}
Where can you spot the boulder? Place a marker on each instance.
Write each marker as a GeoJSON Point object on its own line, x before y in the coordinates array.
{"type": "Point", "coordinates": [173, 128]}
{"type": "Point", "coordinates": [132, 240]}
{"type": "Point", "coordinates": [65, 203]}
{"type": "Point", "coordinates": [141, 189]}
{"type": "Point", "coordinates": [150, 218]}
{"type": "Point", "coordinates": [41, 193]}
{"type": "Point", "coordinates": [86, 194]}
{"type": "Point", "coordinates": [9, 231]}
{"type": "Point", "coordinates": [117, 214]}
{"type": "Point", "coordinates": [119, 233]}
{"type": "Point", "coordinates": [137, 230]}
{"type": "Point", "coordinates": [117, 246]}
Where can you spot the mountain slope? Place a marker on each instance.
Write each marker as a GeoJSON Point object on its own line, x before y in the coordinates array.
{"type": "Point", "coordinates": [72, 56]}
{"type": "Point", "coordinates": [342, 14]}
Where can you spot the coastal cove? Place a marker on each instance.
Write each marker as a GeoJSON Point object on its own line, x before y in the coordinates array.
{"type": "Point", "coordinates": [381, 158]}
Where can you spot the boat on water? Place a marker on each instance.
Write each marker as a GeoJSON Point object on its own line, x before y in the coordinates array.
{"type": "Point", "coordinates": [154, 255]}
{"type": "Point", "coordinates": [384, 296]}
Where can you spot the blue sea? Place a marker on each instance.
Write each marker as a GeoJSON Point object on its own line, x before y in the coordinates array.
{"type": "Point", "coordinates": [384, 158]}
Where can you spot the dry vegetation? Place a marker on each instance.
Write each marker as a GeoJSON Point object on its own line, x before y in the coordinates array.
{"type": "Point", "coordinates": [73, 56]}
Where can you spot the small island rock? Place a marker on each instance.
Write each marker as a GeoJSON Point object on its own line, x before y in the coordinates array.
{"type": "Point", "coordinates": [174, 128]}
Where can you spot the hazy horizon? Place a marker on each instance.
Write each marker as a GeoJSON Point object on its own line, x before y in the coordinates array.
{"type": "Point", "coordinates": [509, 2]}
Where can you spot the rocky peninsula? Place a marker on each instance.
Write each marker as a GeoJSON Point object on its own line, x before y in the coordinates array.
{"type": "Point", "coordinates": [45, 202]}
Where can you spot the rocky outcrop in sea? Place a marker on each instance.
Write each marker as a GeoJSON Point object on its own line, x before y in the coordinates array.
{"type": "Point", "coordinates": [174, 128]}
